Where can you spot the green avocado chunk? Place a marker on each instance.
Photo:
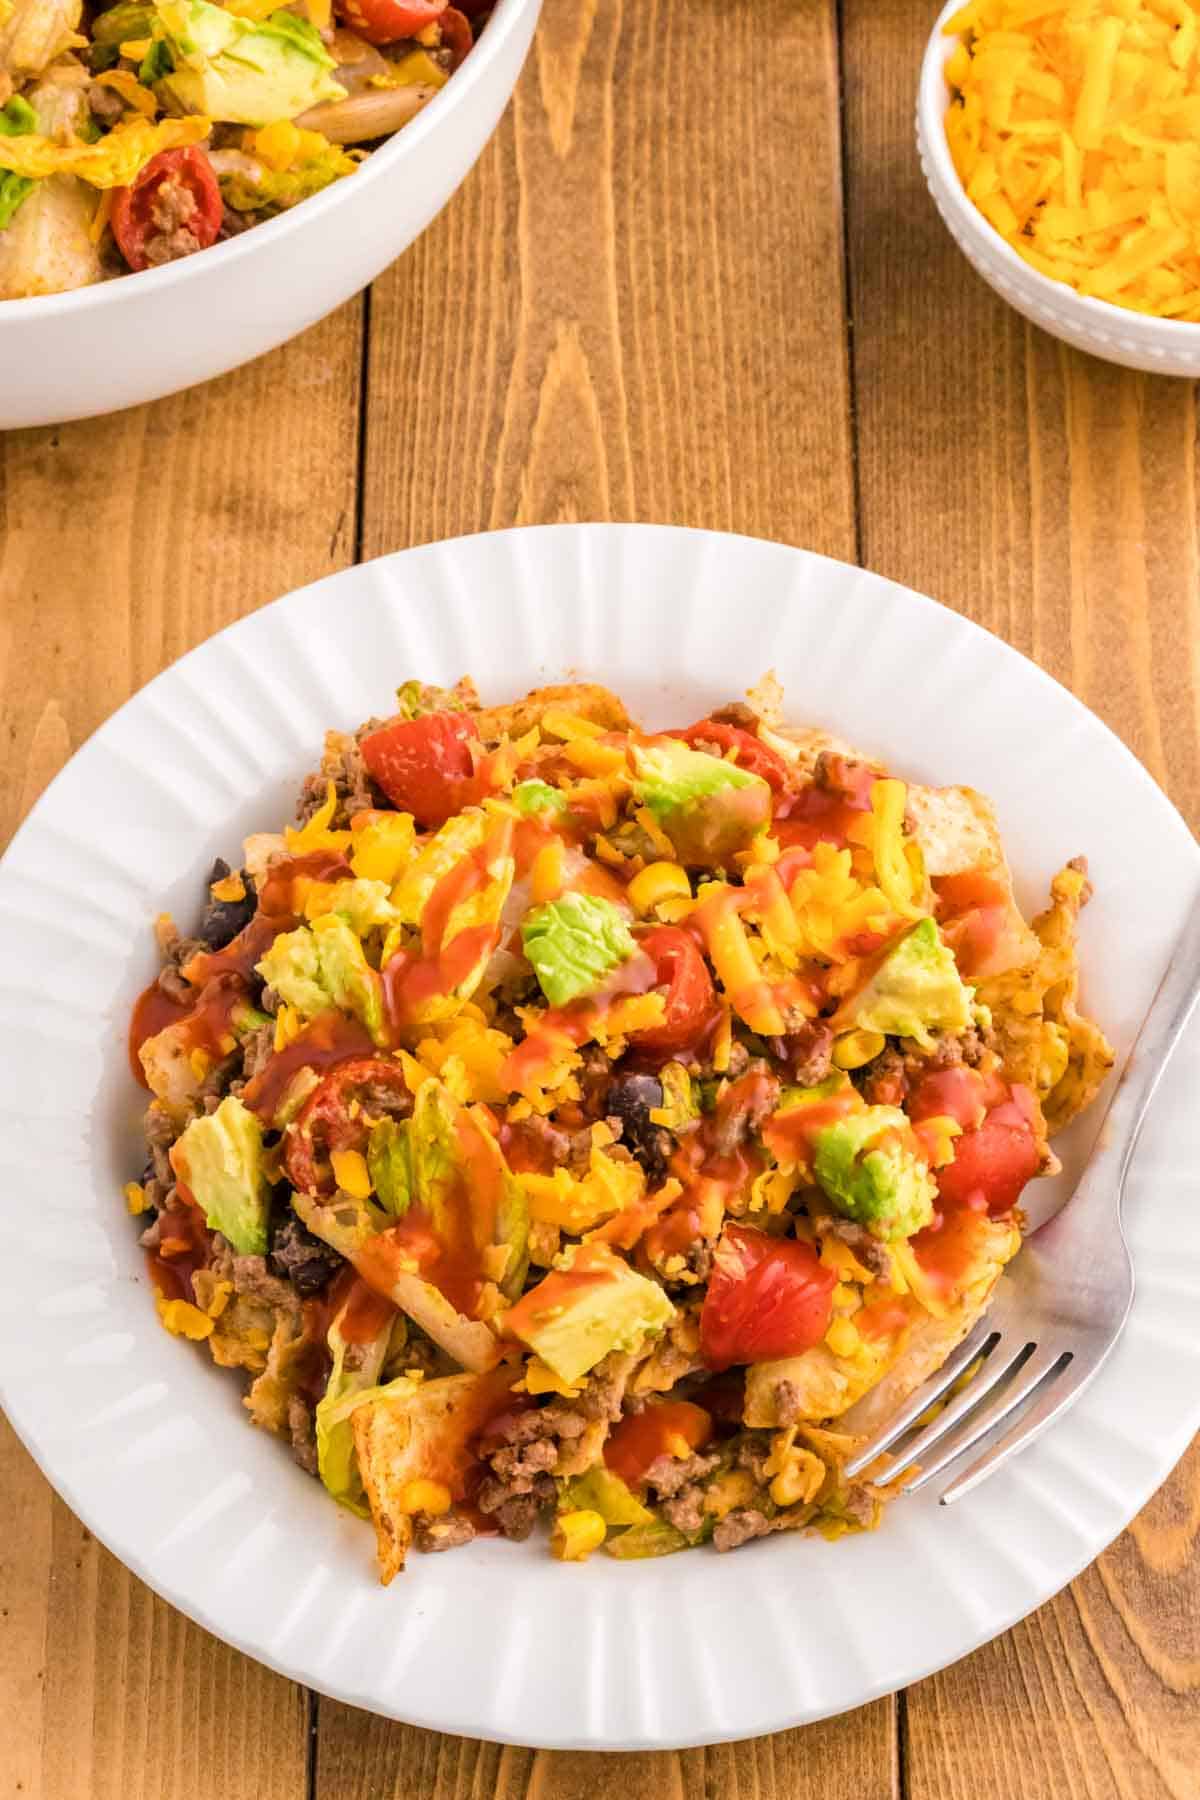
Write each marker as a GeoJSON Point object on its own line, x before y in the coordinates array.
{"type": "Point", "coordinates": [533, 797]}
{"type": "Point", "coordinates": [241, 71]}
{"type": "Point", "coordinates": [599, 1490]}
{"type": "Point", "coordinates": [573, 943]}
{"type": "Point", "coordinates": [914, 991]}
{"type": "Point", "coordinates": [322, 965]}
{"type": "Point", "coordinates": [219, 1159]}
{"type": "Point", "coordinates": [708, 808]}
{"type": "Point", "coordinates": [871, 1176]}
{"type": "Point", "coordinates": [591, 1304]}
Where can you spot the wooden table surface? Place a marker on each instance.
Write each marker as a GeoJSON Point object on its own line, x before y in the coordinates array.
{"type": "Point", "coordinates": [695, 278]}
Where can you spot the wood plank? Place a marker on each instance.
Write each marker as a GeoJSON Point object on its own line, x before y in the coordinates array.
{"type": "Point", "coordinates": [1052, 498]}
{"type": "Point", "coordinates": [364, 1758]}
{"type": "Point", "coordinates": [1100, 1689]}
{"type": "Point", "coordinates": [627, 313]}
{"type": "Point", "coordinates": [123, 542]}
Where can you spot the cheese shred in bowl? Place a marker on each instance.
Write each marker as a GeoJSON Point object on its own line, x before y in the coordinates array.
{"type": "Point", "coordinates": [1074, 126]}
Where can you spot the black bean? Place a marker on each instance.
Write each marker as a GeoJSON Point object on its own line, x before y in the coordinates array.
{"type": "Point", "coordinates": [223, 919]}
{"type": "Point", "coordinates": [302, 1258]}
{"type": "Point", "coordinates": [632, 1098]}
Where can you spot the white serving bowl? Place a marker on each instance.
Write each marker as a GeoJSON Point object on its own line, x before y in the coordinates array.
{"type": "Point", "coordinates": [71, 356]}
{"type": "Point", "coordinates": [1160, 346]}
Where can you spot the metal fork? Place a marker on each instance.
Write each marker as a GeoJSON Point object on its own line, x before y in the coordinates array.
{"type": "Point", "coordinates": [1062, 1304]}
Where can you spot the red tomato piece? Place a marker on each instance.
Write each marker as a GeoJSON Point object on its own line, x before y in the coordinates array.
{"type": "Point", "coordinates": [767, 1297]}
{"type": "Point", "coordinates": [424, 766]}
{"type": "Point", "coordinates": [690, 999]}
{"type": "Point", "coordinates": [641, 1438]}
{"type": "Point", "coordinates": [338, 1116]}
{"type": "Point", "coordinates": [749, 752]}
{"type": "Point", "coordinates": [992, 1163]}
{"type": "Point", "coordinates": [387, 21]}
{"type": "Point", "coordinates": [176, 191]}
{"type": "Point", "coordinates": [457, 35]}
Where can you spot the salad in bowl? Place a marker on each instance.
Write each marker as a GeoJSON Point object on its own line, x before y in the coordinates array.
{"type": "Point", "coordinates": [136, 134]}
{"type": "Point", "coordinates": [569, 1123]}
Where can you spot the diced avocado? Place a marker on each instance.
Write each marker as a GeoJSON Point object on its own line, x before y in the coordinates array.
{"type": "Point", "coordinates": [914, 991]}
{"type": "Point", "coordinates": [655, 1539]}
{"type": "Point", "coordinates": [871, 1175]}
{"type": "Point", "coordinates": [292, 966]}
{"type": "Point", "coordinates": [534, 797]}
{"type": "Point", "coordinates": [573, 943]}
{"type": "Point", "coordinates": [323, 965]}
{"type": "Point", "coordinates": [599, 1490]}
{"type": "Point", "coordinates": [242, 71]}
{"type": "Point", "coordinates": [590, 1304]}
{"type": "Point", "coordinates": [363, 904]}
{"type": "Point", "coordinates": [219, 1159]}
{"type": "Point", "coordinates": [708, 808]}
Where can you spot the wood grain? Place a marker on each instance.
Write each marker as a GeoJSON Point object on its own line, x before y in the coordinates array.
{"type": "Point", "coordinates": [123, 542]}
{"type": "Point", "coordinates": [599, 327]}
{"type": "Point", "coordinates": [851, 1758]}
{"type": "Point", "coordinates": [1052, 498]}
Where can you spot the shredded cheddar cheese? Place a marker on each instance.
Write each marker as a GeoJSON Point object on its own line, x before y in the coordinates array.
{"type": "Point", "coordinates": [1074, 126]}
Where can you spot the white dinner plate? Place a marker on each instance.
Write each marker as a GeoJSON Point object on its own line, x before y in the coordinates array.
{"type": "Point", "coordinates": [147, 1441]}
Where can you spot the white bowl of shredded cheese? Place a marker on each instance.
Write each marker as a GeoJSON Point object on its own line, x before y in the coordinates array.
{"type": "Point", "coordinates": [1117, 333]}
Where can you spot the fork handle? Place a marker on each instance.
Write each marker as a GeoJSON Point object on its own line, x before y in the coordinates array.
{"type": "Point", "coordinates": [1160, 1032]}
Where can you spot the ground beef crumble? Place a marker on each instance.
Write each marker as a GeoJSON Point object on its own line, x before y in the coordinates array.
{"type": "Point", "coordinates": [342, 764]}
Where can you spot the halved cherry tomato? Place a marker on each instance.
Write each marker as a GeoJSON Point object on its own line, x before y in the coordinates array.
{"type": "Point", "coordinates": [992, 1163]}
{"type": "Point", "coordinates": [749, 752]}
{"type": "Point", "coordinates": [767, 1297]}
{"type": "Point", "coordinates": [144, 216]}
{"type": "Point", "coordinates": [424, 765]}
{"type": "Point", "coordinates": [387, 21]}
{"type": "Point", "coordinates": [642, 1437]}
{"type": "Point", "coordinates": [457, 35]}
{"type": "Point", "coordinates": [338, 1116]}
{"type": "Point", "coordinates": [691, 1009]}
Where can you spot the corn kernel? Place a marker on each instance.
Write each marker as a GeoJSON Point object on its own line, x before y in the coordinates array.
{"type": "Point", "coordinates": [351, 1173]}
{"type": "Point", "coordinates": [425, 1497]}
{"type": "Point", "coordinates": [842, 1338]}
{"type": "Point", "coordinates": [658, 881]}
{"type": "Point", "coordinates": [287, 1026]}
{"type": "Point", "coordinates": [199, 1063]}
{"type": "Point", "coordinates": [546, 882]}
{"type": "Point", "coordinates": [576, 1535]}
{"type": "Point", "coordinates": [229, 889]}
{"type": "Point", "coordinates": [277, 145]}
{"type": "Point", "coordinates": [854, 1049]}
{"type": "Point", "coordinates": [135, 1197]}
